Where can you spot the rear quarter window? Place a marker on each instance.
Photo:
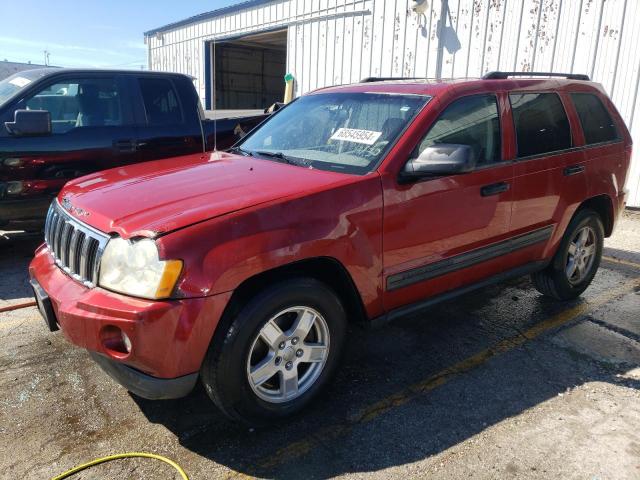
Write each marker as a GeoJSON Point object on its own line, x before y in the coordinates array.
{"type": "Point", "coordinates": [541, 123]}
{"type": "Point", "coordinates": [597, 124]}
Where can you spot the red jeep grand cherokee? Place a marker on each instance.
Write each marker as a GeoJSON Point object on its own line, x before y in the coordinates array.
{"type": "Point", "coordinates": [359, 202]}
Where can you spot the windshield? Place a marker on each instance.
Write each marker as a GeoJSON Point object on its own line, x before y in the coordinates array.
{"type": "Point", "coordinates": [348, 132]}
{"type": "Point", "coordinates": [16, 82]}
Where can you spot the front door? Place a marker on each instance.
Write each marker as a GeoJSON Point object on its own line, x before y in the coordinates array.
{"type": "Point", "coordinates": [90, 117]}
{"type": "Point", "coordinates": [445, 232]}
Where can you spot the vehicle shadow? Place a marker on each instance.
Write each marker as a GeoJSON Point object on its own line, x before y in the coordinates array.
{"type": "Point", "coordinates": [625, 255]}
{"type": "Point", "coordinates": [16, 251]}
{"type": "Point", "coordinates": [349, 429]}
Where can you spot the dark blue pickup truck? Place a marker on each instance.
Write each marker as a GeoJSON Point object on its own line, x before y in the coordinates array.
{"type": "Point", "coordinates": [57, 124]}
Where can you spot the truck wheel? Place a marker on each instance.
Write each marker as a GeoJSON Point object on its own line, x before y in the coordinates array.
{"type": "Point", "coordinates": [278, 352]}
{"type": "Point", "coordinates": [577, 259]}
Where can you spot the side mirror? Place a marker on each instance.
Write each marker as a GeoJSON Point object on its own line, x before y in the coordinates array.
{"type": "Point", "coordinates": [442, 159]}
{"type": "Point", "coordinates": [30, 123]}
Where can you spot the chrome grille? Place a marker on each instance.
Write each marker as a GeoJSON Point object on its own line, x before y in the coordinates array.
{"type": "Point", "coordinates": [76, 247]}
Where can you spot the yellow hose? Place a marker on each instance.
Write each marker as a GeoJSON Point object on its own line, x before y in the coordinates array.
{"type": "Point", "coordinates": [118, 456]}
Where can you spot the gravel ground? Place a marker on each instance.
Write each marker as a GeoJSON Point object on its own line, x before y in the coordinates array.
{"type": "Point", "coordinates": [500, 384]}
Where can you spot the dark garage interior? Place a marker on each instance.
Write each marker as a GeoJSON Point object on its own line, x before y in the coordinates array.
{"type": "Point", "coordinates": [250, 71]}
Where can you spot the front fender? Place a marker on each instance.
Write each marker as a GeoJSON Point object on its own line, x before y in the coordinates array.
{"type": "Point", "coordinates": [344, 223]}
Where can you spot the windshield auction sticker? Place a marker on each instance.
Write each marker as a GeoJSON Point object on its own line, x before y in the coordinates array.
{"type": "Point", "coordinates": [20, 81]}
{"type": "Point", "coordinates": [366, 137]}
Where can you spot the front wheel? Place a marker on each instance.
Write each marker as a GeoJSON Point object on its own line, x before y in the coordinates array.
{"type": "Point", "coordinates": [577, 259]}
{"type": "Point", "coordinates": [278, 353]}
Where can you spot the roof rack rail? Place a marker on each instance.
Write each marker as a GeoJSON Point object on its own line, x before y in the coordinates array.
{"type": "Point", "coordinates": [385, 79]}
{"type": "Point", "coordinates": [505, 75]}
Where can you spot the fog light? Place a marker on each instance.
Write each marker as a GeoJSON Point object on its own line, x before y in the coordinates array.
{"type": "Point", "coordinates": [127, 342]}
{"type": "Point", "coordinates": [115, 341]}
{"type": "Point", "coordinates": [14, 188]}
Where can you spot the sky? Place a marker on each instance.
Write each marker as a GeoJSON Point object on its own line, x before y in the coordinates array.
{"type": "Point", "coordinates": [89, 33]}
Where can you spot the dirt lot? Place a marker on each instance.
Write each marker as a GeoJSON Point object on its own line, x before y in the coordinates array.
{"type": "Point", "coordinates": [500, 384]}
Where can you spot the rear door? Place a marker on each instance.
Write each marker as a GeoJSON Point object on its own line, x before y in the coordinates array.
{"type": "Point", "coordinates": [604, 149]}
{"type": "Point", "coordinates": [549, 171]}
{"type": "Point", "coordinates": [444, 232]}
{"type": "Point", "coordinates": [168, 117]}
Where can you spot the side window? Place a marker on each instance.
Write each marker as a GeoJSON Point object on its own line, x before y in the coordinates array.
{"type": "Point", "coordinates": [160, 101]}
{"type": "Point", "coordinates": [91, 102]}
{"type": "Point", "coordinates": [541, 123]}
{"type": "Point", "coordinates": [472, 121]}
{"type": "Point", "coordinates": [596, 122]}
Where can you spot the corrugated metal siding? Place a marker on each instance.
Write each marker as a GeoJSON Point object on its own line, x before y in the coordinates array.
{"type": "Point", "coordinates": [341, 41]}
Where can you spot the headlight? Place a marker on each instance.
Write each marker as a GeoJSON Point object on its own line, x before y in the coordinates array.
{"type": "Point", "coordinates": [133, 268]}
{"type": "Point", "coordinates": [13, 162]}
{"type": "Point", "coordinates": [14, 188]}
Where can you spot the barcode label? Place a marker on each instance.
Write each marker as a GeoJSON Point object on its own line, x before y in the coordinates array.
{"type": "Point", "coordinates": [366, 137]}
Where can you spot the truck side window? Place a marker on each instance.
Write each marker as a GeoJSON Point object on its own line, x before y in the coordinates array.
{"type": "Point", "coordinates": [541, 123]}
{"type": "Point", "coordinates": [472, 121]}
{"type": "Point", "coordinates": [160, 102]}
{"type": "Point", "coordinates": [596, 122]}
{"type": "Point", "coordinates": [91, 102]}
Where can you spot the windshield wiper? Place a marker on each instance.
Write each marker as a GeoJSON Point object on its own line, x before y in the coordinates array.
{"type": "Point", "coordinates": [280, 156]}
{"type": "Point", "coordinates": [241, 151]}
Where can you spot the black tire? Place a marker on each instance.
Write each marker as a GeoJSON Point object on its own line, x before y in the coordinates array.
{"type": "Point", "coordinates": [553, 281]}
{"type": "Point", "coordinates": [224, 370]}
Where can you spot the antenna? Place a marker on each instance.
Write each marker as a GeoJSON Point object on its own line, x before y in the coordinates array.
{"type": "Point", "coordinates": [215, 101]}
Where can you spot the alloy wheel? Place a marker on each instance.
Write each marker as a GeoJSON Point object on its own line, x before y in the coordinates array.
{"type": "Point", "coordinates": [288, 354]}
{"type": "Point", "coordinates": [581, 255]}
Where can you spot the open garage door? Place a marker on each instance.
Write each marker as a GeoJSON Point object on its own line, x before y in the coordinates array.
{"type": "Point", "coordinates": [249, 71]}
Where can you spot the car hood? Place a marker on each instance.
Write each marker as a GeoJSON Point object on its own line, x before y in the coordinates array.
{"type": "Point", "coordinates": [151, 198]}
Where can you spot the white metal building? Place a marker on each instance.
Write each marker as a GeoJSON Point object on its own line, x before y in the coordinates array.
{"type": "Point", "coordinates": [330, 42]}
{"type": "Point", "coordinates": [8, 68]}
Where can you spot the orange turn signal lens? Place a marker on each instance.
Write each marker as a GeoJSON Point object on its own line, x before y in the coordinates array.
{"type": "Point", "coordinates": [172, 271]}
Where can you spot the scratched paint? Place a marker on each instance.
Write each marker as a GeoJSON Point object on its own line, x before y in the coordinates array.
{"type": "Point", "coordinates": [341, 41]}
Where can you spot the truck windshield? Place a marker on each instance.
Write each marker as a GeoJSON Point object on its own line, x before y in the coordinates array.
{"type": "Point", "coordinates": [348, 132]}
{"type": "Point", "coordinates": [10, 86]}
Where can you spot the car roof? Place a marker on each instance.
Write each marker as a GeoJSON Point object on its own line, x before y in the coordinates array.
{"type": "Point", "coordinates": [460, 86]}
{"type": "Point", "coordinates": [48, 71]}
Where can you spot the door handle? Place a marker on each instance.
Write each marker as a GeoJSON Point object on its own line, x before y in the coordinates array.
{"type": "Point", "coordinates": [125, 145]}
{"type": "Point", "coordinates": [573, 170]}
{"type": "Point", "coordinates": [494, 189]}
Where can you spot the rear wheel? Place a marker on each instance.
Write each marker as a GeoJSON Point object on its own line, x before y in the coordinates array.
{"type": "Point", "coordinates": [278, 352]}
{"type": "Point", "coordinates": [577, 259]}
